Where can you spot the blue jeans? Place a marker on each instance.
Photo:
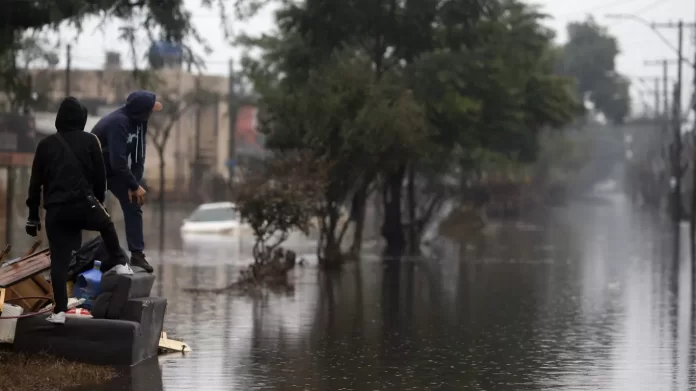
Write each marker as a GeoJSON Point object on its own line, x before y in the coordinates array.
{"type": "Point", "coordinates": [132, 216]}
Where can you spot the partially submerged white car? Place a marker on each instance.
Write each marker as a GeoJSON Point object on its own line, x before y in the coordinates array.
{"type": "Point", "coordinates": [217, 218]}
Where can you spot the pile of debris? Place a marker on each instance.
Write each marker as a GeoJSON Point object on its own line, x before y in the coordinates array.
{"type": "Point", "coordinates": [269, 271]}
{"type": "Point", "coordinates": [118, 322]}
{"type": "Point", "coordinates": [271, 268]}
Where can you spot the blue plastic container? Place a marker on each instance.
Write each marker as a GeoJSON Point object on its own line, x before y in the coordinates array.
{"type": "Point", "coordinates": [88, 285]}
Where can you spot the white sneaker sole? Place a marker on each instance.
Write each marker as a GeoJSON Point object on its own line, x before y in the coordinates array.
{"type": "Point", "coordinates": [54, 320]}
{"type": "Point", "coordinates": [123, 270]}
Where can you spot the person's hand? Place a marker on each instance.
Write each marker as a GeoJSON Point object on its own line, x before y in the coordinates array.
{"type": "Point", "coordinates": [137, 196]}
{"type": "Point", "coordinates": [32, 227]}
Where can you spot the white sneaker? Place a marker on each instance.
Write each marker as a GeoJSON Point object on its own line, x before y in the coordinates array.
{"type": "Point", "coordinates": [74, 303]}
{"type": "Point", "coordinates": [123, 270]}
{"type": "Point", "coordinates": [58, 318]}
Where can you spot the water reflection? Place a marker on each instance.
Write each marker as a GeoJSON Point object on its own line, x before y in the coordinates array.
{"type": "Point", "coordinates": [587, 298]}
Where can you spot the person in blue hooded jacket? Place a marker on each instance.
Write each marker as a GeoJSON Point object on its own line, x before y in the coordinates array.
{"type": "Point", "coordinates": [122, 134]}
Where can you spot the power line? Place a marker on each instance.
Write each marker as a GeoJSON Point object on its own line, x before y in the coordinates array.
{"type": "Point", "coordinates": [600, 7]}
{"type": "Point", "coordinates": [650, 7]}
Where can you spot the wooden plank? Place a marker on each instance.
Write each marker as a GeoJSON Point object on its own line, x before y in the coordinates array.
{"type": "Point", "coordinates": [32, 249]}
{"type": "Point", "coordinates": [41, 282]}
{"type": "Point", "coordinates": [13, 293]}
{"type": "Point", "coordinates": [26, 288]}
{"type": "Point", "coordinates": [170, 345]}
{"type": "Point", "coordinates": [25, 268]}
{"type": "Point", "coordinates": [38, 254]}
{"type": "Point", "coordinates": [18, 273]}
{"type": "Point", "coordinates": [22, 278]}
{"type": "Point", "coordinates": [4, 252]}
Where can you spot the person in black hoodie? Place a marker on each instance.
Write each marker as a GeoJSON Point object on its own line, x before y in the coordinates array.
{"type": "Point", "coordinates": [69, 167]}
{"type": "Point", "coordinates": [122, 133]}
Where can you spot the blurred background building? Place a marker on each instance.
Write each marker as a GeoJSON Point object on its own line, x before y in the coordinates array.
{"type": "Point", "coordinates": [210, 143]}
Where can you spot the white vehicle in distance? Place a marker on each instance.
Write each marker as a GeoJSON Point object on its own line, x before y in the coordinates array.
{"type": "Point", "coordinates": [217, 218]}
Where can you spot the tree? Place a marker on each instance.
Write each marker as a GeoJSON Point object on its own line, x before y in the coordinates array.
{"type": "Point", "coordinates": [23, 88]}
{"type": "Point", "coordinates": [589, 56]}
{"type": "Point", "coordinates": [311, 32]}
{"type": "Point", "coordinates": [174, 107]}
{"type": "Point", "coordinates": [283, 198]}
{"type": "Point", "coordinates": [485, 98]}
{"type": "Point", "coordinates": [477, 76]}
{"type": "Point", "coordinates": [346, 117]}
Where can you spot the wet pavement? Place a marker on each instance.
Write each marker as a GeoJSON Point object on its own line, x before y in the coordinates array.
{"type": "Point", "coordinates": [586, 298]}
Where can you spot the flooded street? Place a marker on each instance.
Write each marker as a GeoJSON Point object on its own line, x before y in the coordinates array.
{"type": "Point", "coordinates": [587, 299]}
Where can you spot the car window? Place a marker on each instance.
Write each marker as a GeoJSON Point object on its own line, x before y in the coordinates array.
{"type": "Point", "coordinates": [211, 215]}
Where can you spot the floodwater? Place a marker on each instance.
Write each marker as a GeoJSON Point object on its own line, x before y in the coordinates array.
{"type": "Point", "coordinates": [588, 297]}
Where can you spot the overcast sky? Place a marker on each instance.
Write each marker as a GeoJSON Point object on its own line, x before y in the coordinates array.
{"type": "Point", "coordinates": [637, 41]}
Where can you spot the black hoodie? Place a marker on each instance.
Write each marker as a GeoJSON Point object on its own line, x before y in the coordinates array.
{"type": "Point", "coordinates": [122, 136]}
{"type": "Point", "coordinates": [54, 169]}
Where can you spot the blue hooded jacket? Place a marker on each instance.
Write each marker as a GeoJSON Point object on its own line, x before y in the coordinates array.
{"type": "Point", "coordinates": [122, 136]}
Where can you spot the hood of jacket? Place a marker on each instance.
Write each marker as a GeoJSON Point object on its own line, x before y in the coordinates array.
{"type": "Point", "coordinates": [72, 115]}
{"type": "Point", "coordinates": [139, 105]}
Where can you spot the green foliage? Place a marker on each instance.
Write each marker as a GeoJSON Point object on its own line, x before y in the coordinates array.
{"type": "Point", "coordinates": [500, 93]}
{"type": "Point", "coordinates": [377, 86]}
{"type": "Point", "coordinates": [17, 81]}
{"type": "Point", "coordinates": [589, 57]}
{"type": "Point", "coordinates": [283, 198]}
{"type": "Point", "coordinates": [166, 20]}
{"type": "Point", "coordinates": [346, 117]}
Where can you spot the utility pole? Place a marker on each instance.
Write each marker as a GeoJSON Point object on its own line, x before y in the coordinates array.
{"type": "Point", "coordinates": [196, 172]}
{"type": "Point", "coordinates": [677, 207]}
{"type": "Point", "coordinates": [655, 91]}
{"type": "Point", "coordinates": [657, 99]}
{"type": "Point", "coordinates": [665, 149]}
{"type": "Point", "coordinates": [68, 65]}
{"type": "Point", "coordinates": [692, 214]}
{"type": "Point", "coordinates": [677, 127]}
{"type": "Point", "coordinates": [664, 64]}
{"type": "Point", "coordinates": [232, 107]}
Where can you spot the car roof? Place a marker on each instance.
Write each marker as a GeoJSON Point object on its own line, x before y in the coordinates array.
{"type": "Point", "coordinates": [217, 205]}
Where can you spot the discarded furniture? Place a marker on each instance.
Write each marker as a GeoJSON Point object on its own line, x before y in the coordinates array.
{"type": "Point", "coordinates": [167, 345]}
{"type": "Point", "coordinates": [23, 277]}
{"type": "Point", "coordinates": [125, 328]}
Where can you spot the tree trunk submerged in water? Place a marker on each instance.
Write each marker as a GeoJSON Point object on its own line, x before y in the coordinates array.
{"type": "Point", "coordinates": [358, 211]}
{"type": "Point", "coordinates": [392, 229]}
{"type": "Point", "coordinates": [329, 249]}
{"type": "Point", "coordinates": [413, 231]}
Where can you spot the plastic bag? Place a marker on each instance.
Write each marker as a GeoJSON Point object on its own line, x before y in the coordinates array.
{"type": "Point", "coordinates": [83, 259]}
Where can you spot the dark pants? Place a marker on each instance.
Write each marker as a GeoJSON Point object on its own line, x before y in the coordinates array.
{"type": "Point", "coordinates": [132, 216]}
{"type": "Point", "coordinates": [64, 226]}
